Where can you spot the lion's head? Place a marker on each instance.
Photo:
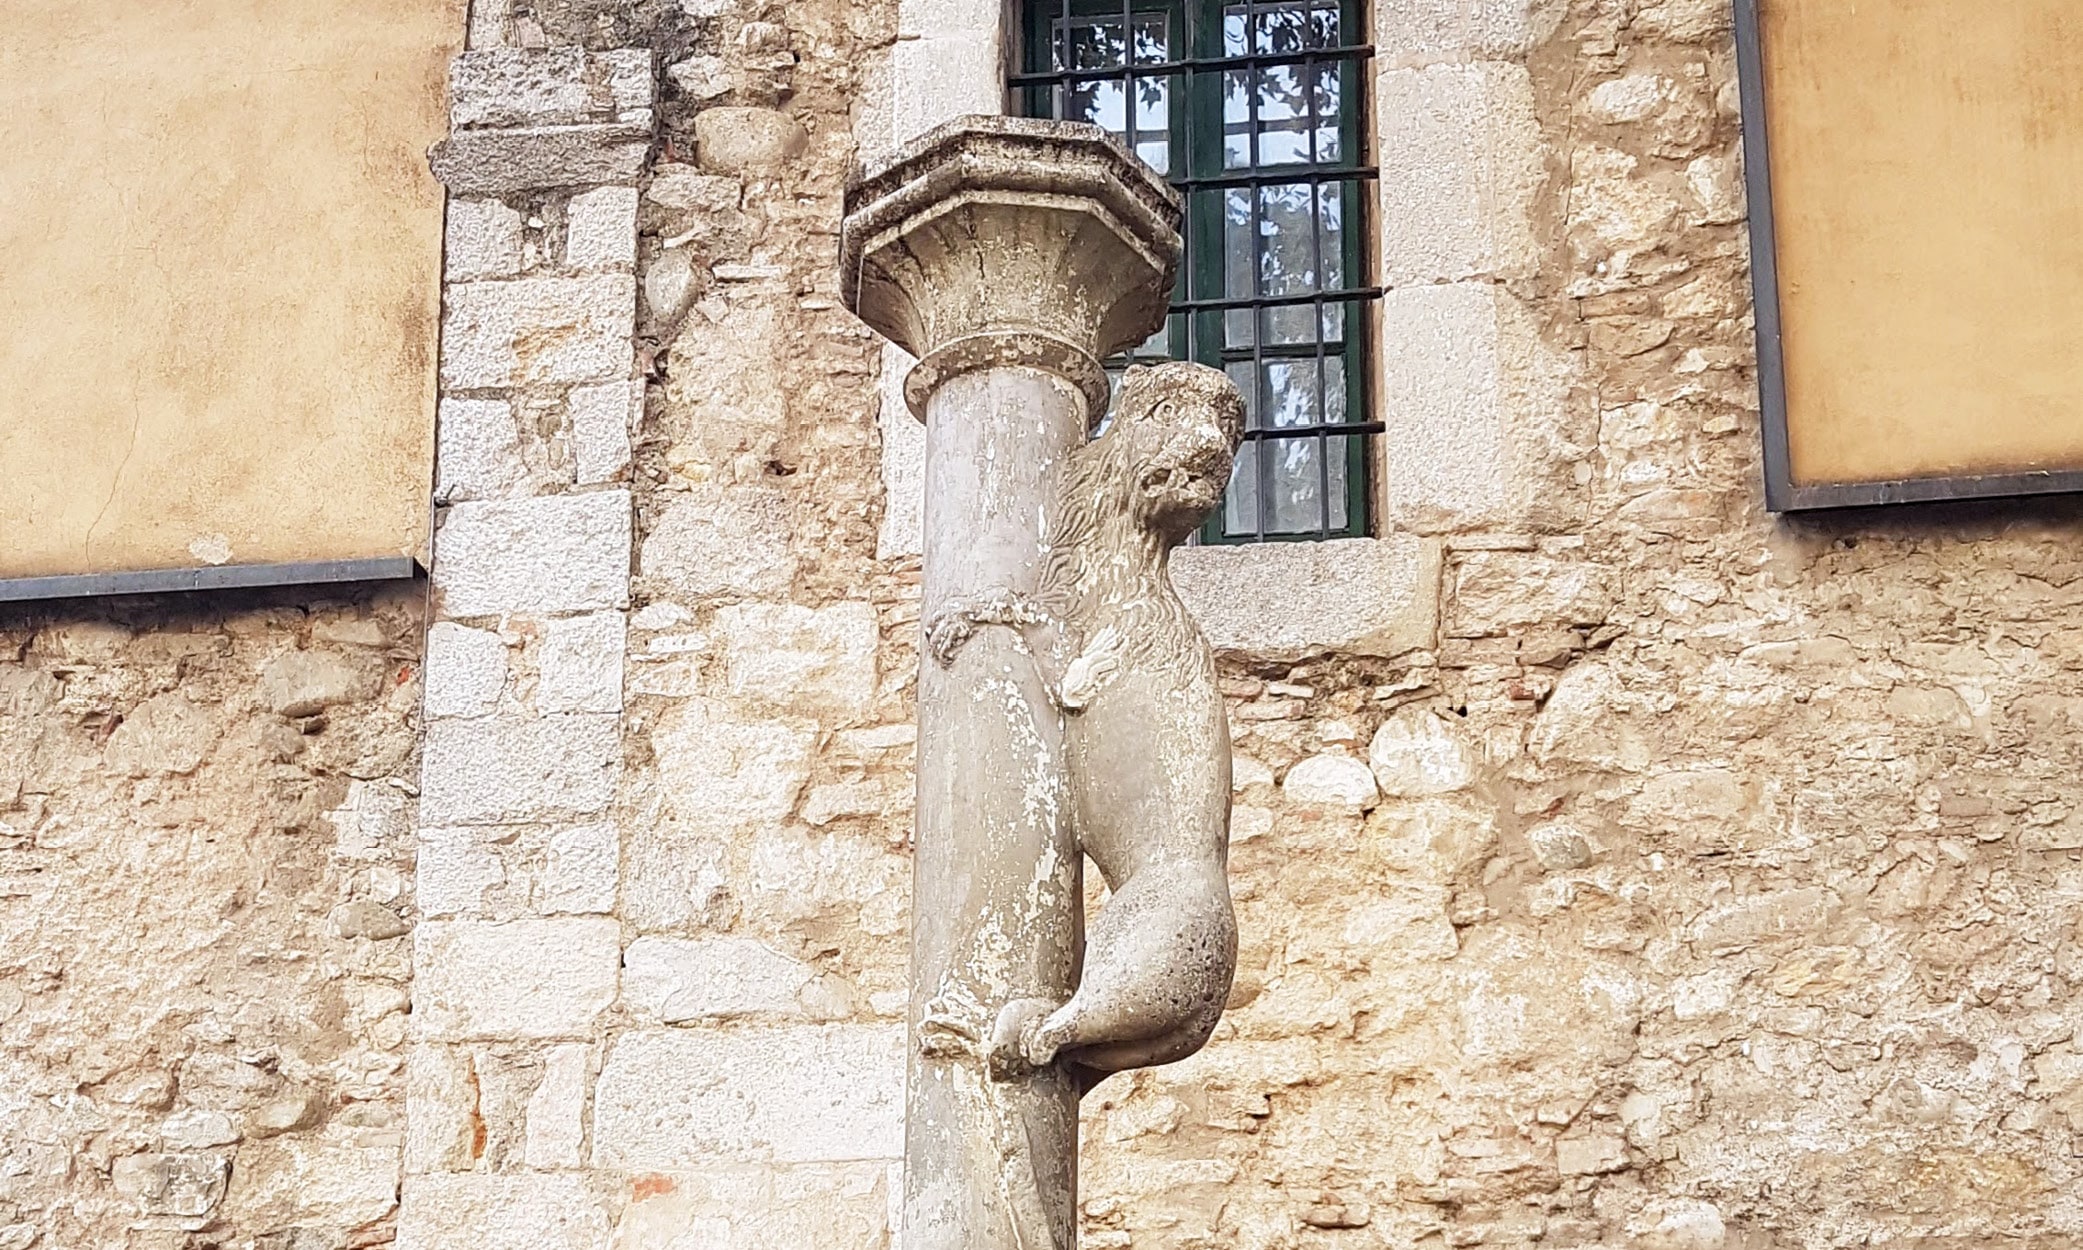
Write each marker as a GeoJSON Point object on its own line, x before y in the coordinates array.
{"type": "Point", "coordinates": [1178, 425]}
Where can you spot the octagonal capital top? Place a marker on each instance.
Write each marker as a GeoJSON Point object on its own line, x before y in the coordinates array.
{"type": "Point", "coordinates": [1006, 229]}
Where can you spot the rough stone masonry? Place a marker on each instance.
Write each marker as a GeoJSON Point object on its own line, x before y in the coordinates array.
{"type": "Point", "coordinates": [1651, 874]}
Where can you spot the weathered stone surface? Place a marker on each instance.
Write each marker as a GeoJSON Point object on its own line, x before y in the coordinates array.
{"type": "Point", "coordinates": [465, 670]}
{"type": "Point", "coordinates": [1421, 32]}
{"type": "Point", "coordinates": [479, 450]}
{"type": "Point", "coordinates": [1374, 596]}
{"type": "Point", "coordinates": [801, 659]}
{"type": "Point", "coordinates": [559, 553]}
{"type": "Point", "coordinates": [164, 735]}
{"type": "Point", "coordinates": [536, 331]}
{"type": "Point", "coordinates": [762, 1208]}
{"type": "Point", "coordinates": [330, 1183]}
{"type": "Point", "coordinates": [804, 1094]}
{"type": "Point", "coordinates": [519, 979]}
{"type": "Point", "coordinates": [600, 229]}
{"type": "Point", "coordinates": [1331, 781]}
{"type": "Point", "coordinates": [581, 664]}
{"type": "Point", "coordinates": [728, 772]}
{"type": "Point", "coordinates": [675, 980]}
{"type": "Point", "coordinates": [601, 420]}
{"type": "Point", "coordinates": [557, 1109]}
{"type": "Point", "coordinates": [743, 141]}
{"type": "Point", "coordinates": [728, 541]}
{"type": "Point", "coordinates": [1463, 162]}
{"type": "Point", "coordinates": [539, 1211]}
{"type": "Point", "coordinates": [1482, 440]}
{"type": "Point", "coordinates": [483, 240]}
{"type": "Point", "coordinates": [501, 162]}
{"type": "Point", "coordinates": [303, 683]}
{"type": "Point", "coordinates": [583, 867]}
{"type": "Point", "coordinates": [1415, 755]}
{"type": "Point", "coordinates": [511, 87]}
{"type": "Point", "coordinates": [507, 769]}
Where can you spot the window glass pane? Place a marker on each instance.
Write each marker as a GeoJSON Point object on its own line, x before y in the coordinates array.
{"type": "Point", "coordinates": [1297, 477]}
{"type": "Point", "coordinates": [1138, 111]}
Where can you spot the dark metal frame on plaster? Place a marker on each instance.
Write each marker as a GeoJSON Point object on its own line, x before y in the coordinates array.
{"type": "Point", "coordinates": [1782, 493]}
{"type": "Point", "coordinates": [222, 577]}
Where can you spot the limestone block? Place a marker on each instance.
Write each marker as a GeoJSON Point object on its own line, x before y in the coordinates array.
{"type": "Point", "coordinates": [557, 1109]}
{"type": "Point", "coordinates": [675, 980]}
{"type": "Point", "coordinates": [166, 735]}
{"type": "Point", "coordinates": [673, 1098]}
{"type": "Point", "coordinates": [329, 1181]}
{"type": "Point", "coordinates": [482, 240]}
{"type": "Point", "coordinates": [720, 541]}
{"type": "Point", "coordinates": [514, 1211]}
{"type": "Point", "coordinates": [679, 876]}
{"type": "Point", "coordinates": [1462, 163]}
{"type": "Point", "coordinates": [1689, 21]}
{"type": "Point", "coordinates": [182, 1184]}
{"type": "Point", "coordinates": [841, 799]}
{"type": "Point", "coordinates": [304, 683]}
{"type": "Point", "coordinates": [1331, 781]}
{"type": "Point", "coordinates": [1479, 434]}
{"type": "Point", "coordinates": [814, 660]}
{"type": "Point", "coordinates": [741, 140]}
{"type": "Point", "coordinates": [1590, 1156]}
{"type": "Point", "coordinates": [441, 1109]}
{"type": "Point", "coordinates": [465, 670]}
{"type": "Point", "coordinates": [197, 1130]}
{"type": "Point", "coordinates": [518, 979]}
{"type": "Point", "coordinates": [1374, 596]}
{"type": "Point", "coordinates": [600, 229]}
{"type": "Point", "coordinates": [581, 871]}
{"type": "Point", "coordinates": [501, 162]}
{"type": "Point", "coordinates": [946, 72]}
{"type": "Point", "coordinates": [453, 871]}
{"type": "Point", "coordinates": [511, 87]}
{"type": "Point", "coordinates": [538, 331]}
{"type": "Point", "coordinates": [725, 772]}
{"type": "Point", "coordinates": [763, 1208]}
{"type": "Point", "coordinates": [1420, 32]}
{"type": "Point", "coordinates": [557, 553]}
{"type": "Point", "coordinates": [581, 664]}
{"type": "Point", "coordinates": [478, 450]}
{"type": "Point", "coordinates": [1496, 592]}
{"type": "Point", "coordinates": [601, 420]}
{"type": "Point", "coordinates": [507, 769]}
{"type": "Point", "coordinates": [1415, 754]}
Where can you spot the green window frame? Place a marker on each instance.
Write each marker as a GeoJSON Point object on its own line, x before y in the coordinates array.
{"type": "Point", "coordinates": [1253, 110]}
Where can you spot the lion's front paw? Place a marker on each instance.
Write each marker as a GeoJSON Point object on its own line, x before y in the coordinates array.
{"type": "Point", "coordinates": [1011, 1052]}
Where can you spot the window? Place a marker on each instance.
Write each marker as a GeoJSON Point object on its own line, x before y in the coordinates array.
{"type": "Point", "coordinates": [1252, 110]}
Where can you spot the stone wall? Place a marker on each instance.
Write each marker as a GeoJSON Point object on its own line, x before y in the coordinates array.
{"type": "Point", "coordinates": [1635, 869]}
{"type": "Point", "coordinates": [205, 875]}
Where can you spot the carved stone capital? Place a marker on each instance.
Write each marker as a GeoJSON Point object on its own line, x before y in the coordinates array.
{"type": "Point", "coordinates": [1005, 240]}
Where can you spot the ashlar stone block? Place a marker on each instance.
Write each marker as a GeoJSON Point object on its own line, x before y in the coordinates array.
{"type": "Point", "coordinates": [465, 670]}
{"type": "Point", "coordinates": [474, 980]}
{"type": "Point", "coordinates": [507, 769]}
{"type": "Point", "coordinates": [555, 553]}
{"type": "Point", "coordinates": [1377, 596]}
{"type": "Point", "coordinates": [491, 1211]}
{"type": "Point", "coordinates": [1462, 164]}
{"type": "Point", "coordinates": [537, 331]}
{"type": "Point", "coordinates": [478, 450]}
{"type": "Point", "coordinates": [690, 1098]}
{"type": "Point", "coordinates": [482, 240]}
{"type": "Point", "coordinates": [581, 664]}
{"type": "Point", "coordinates": [600, 229]}
{"type": "Point", "coordinates": [675, 980]}
{"type": "Point", "coordinates": [602, 418]}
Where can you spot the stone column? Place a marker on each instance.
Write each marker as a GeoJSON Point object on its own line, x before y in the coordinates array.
{"type": "Point", "coordinates": [1010, 256]}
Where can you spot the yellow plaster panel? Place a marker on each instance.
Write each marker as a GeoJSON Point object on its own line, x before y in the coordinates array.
{"type": "Point", "coordinates": [1927, 166]}
{"type": "Point", "coordinates": [220, 254]}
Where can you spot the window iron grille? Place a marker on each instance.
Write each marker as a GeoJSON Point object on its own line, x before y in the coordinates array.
{"type": "Point", "coordinates": [1252, 109]}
